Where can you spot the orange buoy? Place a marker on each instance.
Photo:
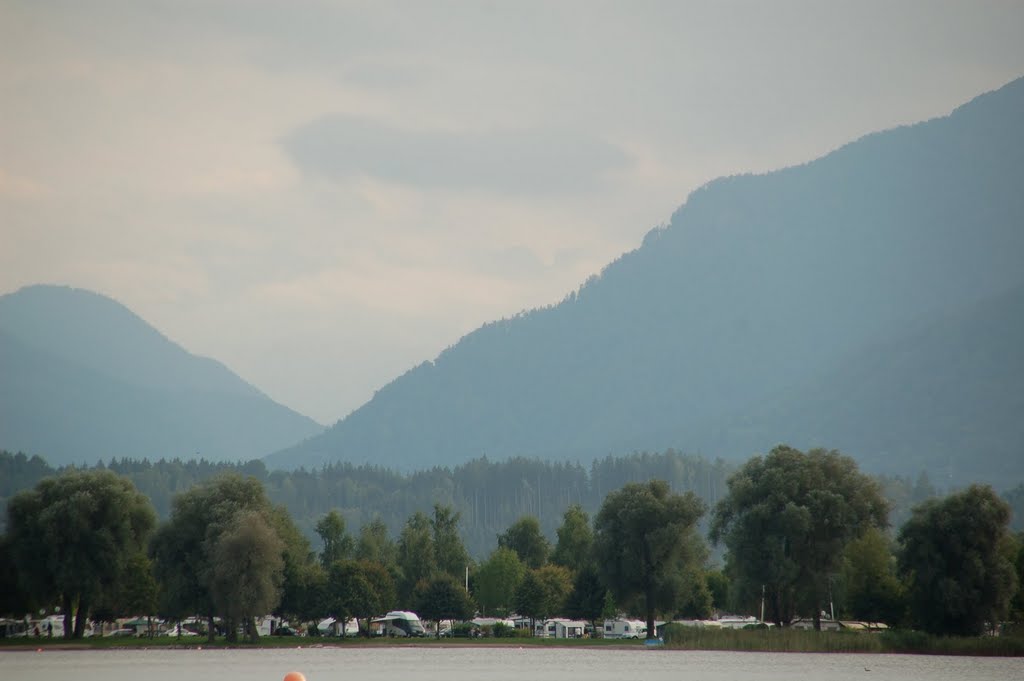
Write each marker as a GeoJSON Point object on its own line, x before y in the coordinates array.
{"type": "Point", "coordinates": [294, 676]}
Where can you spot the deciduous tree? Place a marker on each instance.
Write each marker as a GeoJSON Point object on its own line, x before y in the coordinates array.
{"type": "Point", "coordinates": [73, 536]}
{"type": "Point", "coordinates": [525, 538]}
{"type": "Point", "coordinates": [955, 557]}
{"type": "Point", "coordinates": [246, 571]}
{"type": "Point", "coordinates": [443, 598]}
{"type": "Point", "coordinates": [184, 547]}
{"type": "Point", "coordinates": [415, 555]}
{"type": "Point", "coordinates": [449, 553]}
{"type": "Point", "coordinates": [337, 542]}
{"type": "Point", "coordinates": [873, 592]}
{"type": "Point", "coordinates": [350, 591]}
{"type": "Point", "coordinates": [376, 545]}
{"type": "Point", "coordinates": [586, 600]}
{"type": "Point", "coordinates": [557, 581]}
{"type": "Point", "coordinates": [496, 581]}
{"type": "Point", "coordinates": [645, 538]}
{"type": "Point", "coordinates": [575, 540]}
{"type": "Point", "coordinates": [531, 599]}
{"type": "Point", "coordinates": [787, 519]}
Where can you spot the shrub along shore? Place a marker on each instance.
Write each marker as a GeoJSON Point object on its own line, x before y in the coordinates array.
{"type": "Point", "coordinates": [678, 637]}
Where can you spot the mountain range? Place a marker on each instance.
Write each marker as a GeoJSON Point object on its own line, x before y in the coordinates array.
{"type": "Point", "coordinates": [871, 300]}
{"type": "Point", "coordinates": [868, 300]}
{"type": "Point", "coordinates": [85, 379]}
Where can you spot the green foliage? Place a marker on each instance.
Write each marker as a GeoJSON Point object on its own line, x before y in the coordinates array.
{"type": "Point", "coordinates": [135, 593]}
{"type": "Point", "coordinates": [352, 590]}
{"type": "Point", "coordinates": [787, 519]}
{"type": "Point", "coordinates": [531, 598]}
{"type": "Point", "coordinates": [73, 536]}
{"type": "Point", "coordinates": [496, 580]}
{"type": "Point", "coordinates": [185, 549]}
{"type": "Point", "coordinates": [382, 583]}
{"type": "Point", "coordinates": [1017, 604]}
{"type": "Point", "coordinates": [525, 538]}
{"type": "Point", "coordinates": [298, 562]}
{"type": "Point", "coordinates": [502, 630]}
{"type": "Point", "coordinates": [443, 598]}
{"type": "Point", "coordinates": [338, 545]}
{"type": "Point", "coordinates": [610, 609]}
{"type": "Point", "coordinates": [479, 490]}
{"type": "Point", "coordinates": [587, 599]}
{"type": "Point", "coordinates": [246, 570]}
{"type": "Point", "coordinates": [449, 553]}
{"type": "Point", "coordinates": [13, 599]}
{"type": "Point", "coordinates": [790, 640]}
{"type": "Point", "coordinates": [575, 539]}
{"type": "Point", "coordinates": [304, 597]}
{"type": "Point", "coordinates": [556, 581]}
{"type": "Point", "coordinates": [873, 590]}
{"type": "Point", "coordinates": [695, 600]}
{"type": "Point", "coordinates": [645, 542]}
{"type": "Point", "coordinates": [375, 544]}
{"type": "Point", "coordinates": [415, 555]}
{"type": "Point", "coordinates": [954, 553]}
{"type": "Point", "coordinates": [718, 585]}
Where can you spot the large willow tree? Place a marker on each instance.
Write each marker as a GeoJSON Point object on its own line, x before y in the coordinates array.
{"type": "Point", "coordinates": [226, 551]}
{"type": "Point", "coordinates": [786, 520]}
{"type": "Point", "coordinates": [957, 556]}
{"type": "Point", "coordinates": [73, 537]}
{"type": "Point", "coordinates": [647, 546]}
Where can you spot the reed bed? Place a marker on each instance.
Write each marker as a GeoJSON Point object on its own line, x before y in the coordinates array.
{"type": "Point", "coordinates": [803, 641]}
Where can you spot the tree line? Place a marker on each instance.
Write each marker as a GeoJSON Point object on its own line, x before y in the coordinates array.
{"type": "Point", "coordinates": [801, 532]}
{"type": "Point", "coordinates": [488, 495]}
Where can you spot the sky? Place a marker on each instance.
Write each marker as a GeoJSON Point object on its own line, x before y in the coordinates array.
{"type": "Point", "coordinates": [322, 195]}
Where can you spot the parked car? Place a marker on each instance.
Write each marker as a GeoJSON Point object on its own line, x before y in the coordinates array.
{"type": "Point", "coordinates": [121, 633]}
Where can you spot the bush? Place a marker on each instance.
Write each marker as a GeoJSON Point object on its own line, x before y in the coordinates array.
{"type": "Point", "coordinates": [465, 630]}
{"type": "Point", "coordinates": [502, 630]}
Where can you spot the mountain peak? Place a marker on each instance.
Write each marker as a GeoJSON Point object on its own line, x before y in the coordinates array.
{"type": "Point", "coordinates": [86, 378]}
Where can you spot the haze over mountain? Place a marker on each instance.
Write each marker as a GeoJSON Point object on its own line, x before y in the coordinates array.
{"type": "Point", "coordinates": [725, 332]}
{"type": "Point", "coordinates": [84, 379]}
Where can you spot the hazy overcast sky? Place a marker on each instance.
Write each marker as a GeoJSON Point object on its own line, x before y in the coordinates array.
{"type": "Point", "coordinates": [323, 194]}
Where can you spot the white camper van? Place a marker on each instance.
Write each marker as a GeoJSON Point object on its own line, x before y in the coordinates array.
{"type": "Point", "coordinates": [401, 623]}
{"type": "Point", "coordinates": [625, 629]}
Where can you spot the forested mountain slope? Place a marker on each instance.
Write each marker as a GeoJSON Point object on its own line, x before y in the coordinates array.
{"type": "Point", "coordinates": [83, 378]}
{"type": "Point", "coordinates": [758, 286]}
{"type": "Point", "coordinates": [947, 398]}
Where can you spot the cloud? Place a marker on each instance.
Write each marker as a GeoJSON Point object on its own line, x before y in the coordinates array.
{"type": "Point", "coordinates": [541, 161]}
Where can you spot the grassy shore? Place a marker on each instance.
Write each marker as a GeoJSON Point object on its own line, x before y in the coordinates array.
{"type": "Point", "coordinates": [99, 643]}
{"type": "Point", "coordinates": [799, 641]}
{"type": "Point", "coordinates": [676, 638]}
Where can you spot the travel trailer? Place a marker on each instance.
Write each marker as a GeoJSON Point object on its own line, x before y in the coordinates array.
{"type": "Point", "coordinates": [559, 627]}
{"type": "Point", "coordinates": [332, 627]}
{"type": "Point", "coordinates": [625, 629]}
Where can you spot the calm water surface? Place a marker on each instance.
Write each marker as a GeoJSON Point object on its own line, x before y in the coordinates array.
{"type": "Point", "coordinates": [490, 664]}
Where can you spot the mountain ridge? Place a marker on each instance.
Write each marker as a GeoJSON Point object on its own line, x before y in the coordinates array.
{"type": "Point", "coordinates": [757, 283]}
{"type": "Point", "coordinates": [85, 378]}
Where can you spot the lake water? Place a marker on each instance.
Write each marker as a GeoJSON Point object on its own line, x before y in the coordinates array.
{"type": "Point", "coordinates": [491, 664]}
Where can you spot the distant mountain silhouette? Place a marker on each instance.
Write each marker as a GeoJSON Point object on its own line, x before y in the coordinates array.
{"type": "Point", "coordinates": [760, 286]}
{"type": "Point", "coordinates": [84, 379]}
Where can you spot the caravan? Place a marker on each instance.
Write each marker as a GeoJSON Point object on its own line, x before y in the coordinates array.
{"type": "Point", "coordinates": [625, 629]}
{"type": "Point", "coordinates": [401, 623]}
